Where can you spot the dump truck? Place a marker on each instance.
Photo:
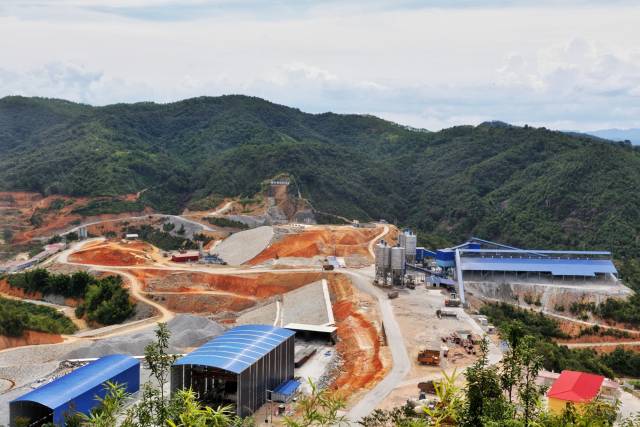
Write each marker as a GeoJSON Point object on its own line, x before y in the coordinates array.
{"type": "Point", "coordinates": [429, 356]}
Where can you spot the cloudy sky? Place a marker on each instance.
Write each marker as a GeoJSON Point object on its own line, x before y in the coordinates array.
{"type": "Point", "coordinates": [571, 64]}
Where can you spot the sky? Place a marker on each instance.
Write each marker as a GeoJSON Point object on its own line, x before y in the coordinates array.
{"type": "Point", "coordinates": [563, 64]}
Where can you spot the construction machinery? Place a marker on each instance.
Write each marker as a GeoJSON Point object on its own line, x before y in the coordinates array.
{"type": "Point", "coordinates": [429, 356]}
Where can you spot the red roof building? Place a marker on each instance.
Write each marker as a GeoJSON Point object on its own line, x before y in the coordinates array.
{"type": "Point", "coordinates": [575, 387]}
{"type": "Point", "coordinates": [190, 256]}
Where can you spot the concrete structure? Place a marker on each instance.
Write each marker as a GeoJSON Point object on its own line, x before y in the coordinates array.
{"type": "Point", "coordinates": [190, 256]}
{"type": "Point", "coordinates": [238, 367]}
{"type": "Point", "coordinates": [76, 391]}
{"type": "Point", "coordinates": [408, 240]}
{"type": "Point", "coordinates": [577, 388]}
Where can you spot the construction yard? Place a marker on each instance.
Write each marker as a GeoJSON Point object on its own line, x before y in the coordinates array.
{"type": "Point", "coordinates": [216, 297]}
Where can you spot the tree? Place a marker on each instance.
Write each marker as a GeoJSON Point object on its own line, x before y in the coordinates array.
{"type": "Point", "coordinates": [320, 408]}
{"type": "Point", "coordinates": [450, 405]}
{"type": "Point", "coordinates": [159, 362]}
{"type": "Point", "coordinates": [106, 413]}
{"type": "Point", "coordinates": [484, 395]}
{"type": "Point", "coordinates": [529, 392]}
{"type": "Point", "coordinates": [192, 414]}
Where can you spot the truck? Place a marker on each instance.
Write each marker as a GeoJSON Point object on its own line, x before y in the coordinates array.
{"type": "Point", "coordinates": [429, 356]}
{"type": "Point", "coordinates": [452, 302]}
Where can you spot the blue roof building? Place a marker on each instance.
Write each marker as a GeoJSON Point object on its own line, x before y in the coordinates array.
{"type": "Point", "coordinates": [481, 261]}
{"type": "Point", "coordinates": [238, 367]}
{"type": "Point", "coordinates": [77, 391]}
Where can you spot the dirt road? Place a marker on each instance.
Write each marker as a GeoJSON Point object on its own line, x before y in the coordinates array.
{"type": "Point", "coordinates": [401, 363]}
{"type": "Point", "coordinates": [600, 344]}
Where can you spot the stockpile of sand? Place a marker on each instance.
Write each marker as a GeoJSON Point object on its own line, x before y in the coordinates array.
{"type": "Point", "coordinates": [186, 331]}
{"type": "Point", "coordinates": [245, 245]}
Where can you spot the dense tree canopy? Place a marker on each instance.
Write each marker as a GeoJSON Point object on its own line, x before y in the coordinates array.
{"type": "Point", "coordinates": [526, 186]}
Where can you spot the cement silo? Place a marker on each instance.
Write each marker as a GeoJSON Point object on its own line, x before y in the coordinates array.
{"type": "Point", "coordinates": [398, 254]}
{"type": "Point", "coordinates": [382, 252]}
{"type": "Point", "coordinates": [410, 243]}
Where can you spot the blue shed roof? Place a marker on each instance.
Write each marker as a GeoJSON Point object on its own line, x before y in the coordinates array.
{"type": "Point", "coordinates": [287, 388]}
{"type": "Point", "coordinates": [64, 389]}
{"type": "Point", "coordinates": [557, 267]}
{"type": "Point", "coordinates": [238, 348]}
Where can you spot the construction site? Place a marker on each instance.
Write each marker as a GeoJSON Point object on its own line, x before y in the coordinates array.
{"type": "Point", "coordinates": [360, 309]}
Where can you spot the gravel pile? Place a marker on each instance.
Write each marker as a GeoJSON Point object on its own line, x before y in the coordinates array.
{"type": "Point", "coordinates": [245, 245]}
{"type": "Point", "coordinates": [186, 331]}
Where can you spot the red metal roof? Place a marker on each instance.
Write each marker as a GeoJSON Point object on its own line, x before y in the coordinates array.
{"type": "Point", "coordinates": [576, 386]}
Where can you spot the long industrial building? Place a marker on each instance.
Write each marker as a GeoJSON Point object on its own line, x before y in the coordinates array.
{"type": "Point", "coordinates": [77, 391]}
{"type": "Point", "coordinates": [238, 367]}
{"type": "Point", "coordinates": [480, 260]}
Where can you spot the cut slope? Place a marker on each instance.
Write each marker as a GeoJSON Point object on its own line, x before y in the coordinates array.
{"type": "Point", "coordinates": [241, 247]}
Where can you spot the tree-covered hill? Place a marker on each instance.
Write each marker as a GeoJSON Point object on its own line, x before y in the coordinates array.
{"type": "Point", "coordinates": [526, 186]}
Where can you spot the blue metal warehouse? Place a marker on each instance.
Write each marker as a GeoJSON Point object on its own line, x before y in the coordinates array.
{"type": "Point", "coordinates": [238, 367]}
{"type": "Point", "coordinates": [480, 260]}
{"type": "Point", "coordinates": [76, 391]}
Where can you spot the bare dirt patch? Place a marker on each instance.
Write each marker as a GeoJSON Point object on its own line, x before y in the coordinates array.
{"type": "Point", "coordinates": [341, 241]}
{"type": "Point", "coordinates": [259, 285]}
{"type": "Point", "coordinates": [114, 254]}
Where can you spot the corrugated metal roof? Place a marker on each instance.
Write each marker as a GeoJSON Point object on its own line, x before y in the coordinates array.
{"type": "Point", "coordinates": [557, 267]}
{"type": "Point", "coordinates": [535, 251]}
{"type": "Point", "coordinates": [64, 389]}
{"type": "Point", "coordinates": [238, 348]}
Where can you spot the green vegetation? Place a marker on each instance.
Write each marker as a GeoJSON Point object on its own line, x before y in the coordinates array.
{"type": "Point", "coordinates": [225, 222]}
{"type": "Point", "coordinates": [521, 185]}
{"type": "Point", "coordinates": [18, 316]}
{"type": "Point", "coordinates": [108, 206]}
{"type": "Point", "coordinates": [105, 300]}
{"type": "Point", "coordinates": [499, 395]}
{"type": "Point", "coordinates": [162, 239]}
{"type": "Point", "coordinates": [514, 322]}
{"type": "Point", "coordinates": [40, 280]}
{"type": "Point", "coordinates": [206, 203]}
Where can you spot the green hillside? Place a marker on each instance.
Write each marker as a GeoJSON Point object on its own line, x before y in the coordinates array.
{"type": "Point", "coordinates": [525, 186]}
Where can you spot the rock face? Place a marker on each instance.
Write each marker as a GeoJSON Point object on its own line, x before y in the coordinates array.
{"type": "Point", "coordinates": [546, 296]}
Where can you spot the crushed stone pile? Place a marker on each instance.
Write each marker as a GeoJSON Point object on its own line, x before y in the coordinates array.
{"type": "Point", "coordinates": [245, 245]}
{"type": "Point", "coordinates": [186, 331]}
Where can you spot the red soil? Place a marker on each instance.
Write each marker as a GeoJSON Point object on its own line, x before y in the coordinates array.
{"type": "Point", "coordinates": [359, 343]}
{"type": "Point", "coordinates": [320, 241]}
{"type": "Point", "coordinates": [262, 285]}
{"type": "Point", "coordinates": [5, 289]}
{"type": "Point", "coordinates": [113, 254]}
{"type": "Point", "coordinates": [29, 338]}
{"type": "Point", "coordinates": [190, 302]}
{"type": "Point", "coordinates": [17, 208]}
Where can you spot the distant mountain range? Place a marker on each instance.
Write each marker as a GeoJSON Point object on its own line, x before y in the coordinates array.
{"type": "Point", "coordinates": [632, 135]}
{"type": "Point", "coordinates": [525, 186]}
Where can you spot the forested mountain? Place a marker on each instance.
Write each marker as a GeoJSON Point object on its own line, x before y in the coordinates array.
{"type": "Point", "coordinates": [526, 186]}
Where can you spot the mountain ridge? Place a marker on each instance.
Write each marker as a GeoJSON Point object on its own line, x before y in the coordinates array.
{"type": "Point", "coordinates": [522, 185]}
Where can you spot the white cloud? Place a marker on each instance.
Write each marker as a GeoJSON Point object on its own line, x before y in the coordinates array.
{"type": "Point", "coordinates": [575, 65]}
